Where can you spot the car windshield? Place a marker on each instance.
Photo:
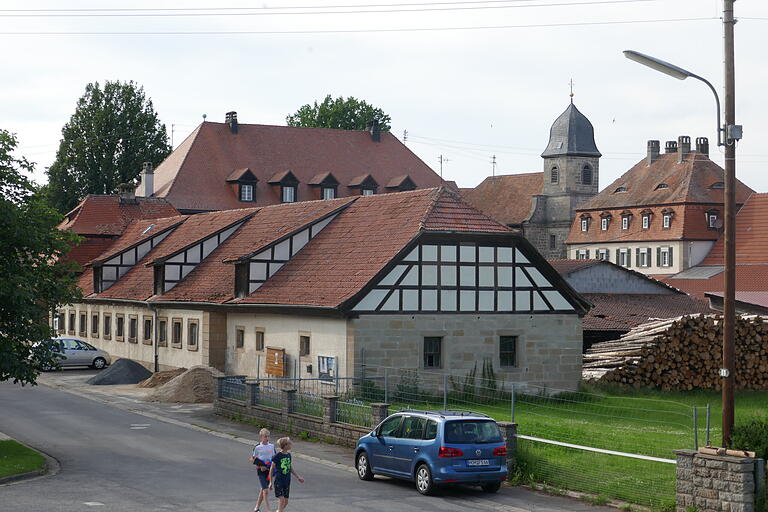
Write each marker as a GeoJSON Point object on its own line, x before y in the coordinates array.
{"type": "Point", "coordinates": [472, 431]}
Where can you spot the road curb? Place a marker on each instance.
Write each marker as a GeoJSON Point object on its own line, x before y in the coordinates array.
{"type": "Point", "coordinates": [50, 468]}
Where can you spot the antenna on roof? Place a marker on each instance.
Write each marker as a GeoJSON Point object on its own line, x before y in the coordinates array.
{"type": "Point", "coordinates": [442, 159]}
{"type": "Point", "coordinates": [571, 84]}
{"type": "Point", "coordinates": [405, 135]}
{"type": "Point", "coordinates": [493, 163]}
{"type": "Point", "coordinates": [204, 116]}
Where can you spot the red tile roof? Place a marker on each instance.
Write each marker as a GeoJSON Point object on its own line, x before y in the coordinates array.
{"type": "Point", "coordinates": [749, 278]}
{"type": "Point", "coordinates": [134, 234]}
{"type": "Point", "coordinates": [108, 214]}
{"type": "Point", "coordinates": [335, 265]}
{"type": "Point", "coordinates": [212, 153]}
{"type": "Point", "coordinates": [687, 182]}
{"type": "Point", "coordinates": [506, 198]}
{"type": "Point", "coordinates": [751, 234]}
{"type": "Point", "coordinates": [619, 312]}
{"type": "Point", "coordinates": [88, 249]}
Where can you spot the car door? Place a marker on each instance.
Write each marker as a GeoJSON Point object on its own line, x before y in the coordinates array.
{"type": "Point", "coordinates": [87, 353]}
{"type": "Point", "coordinates": [70, 352]}
{"type": "Point", "coordinates": [382, 457]}
{"type": "Point", "coordinates": [409, 443]}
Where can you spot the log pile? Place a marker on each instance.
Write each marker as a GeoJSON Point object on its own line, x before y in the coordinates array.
{"type": "Point", "coordinates": [681, 353]}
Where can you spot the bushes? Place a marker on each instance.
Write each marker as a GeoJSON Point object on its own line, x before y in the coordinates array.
{"type": "Point", "coordinates": [752, 435]}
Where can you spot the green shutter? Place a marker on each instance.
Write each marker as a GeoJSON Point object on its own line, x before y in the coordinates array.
{"type": "Point", "coordinates": [587, 253]}
{"type": "Point", "coordinates": [658, 256]}
{"type": "Point", "coordinates": [618, 256]}
{"type": "Point", "coordinates": [671, 262]}
{"type": "Point", "coordinates": [629, 258]}
{"type": "Point", "coordinates": [637, 256]}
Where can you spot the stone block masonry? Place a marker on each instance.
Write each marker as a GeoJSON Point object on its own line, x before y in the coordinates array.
{"type": "Point", "coordinates": [715, 483]}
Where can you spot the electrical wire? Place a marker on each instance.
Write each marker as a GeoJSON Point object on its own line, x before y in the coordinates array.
{"type": "Point", "coordinates": [348, 31]}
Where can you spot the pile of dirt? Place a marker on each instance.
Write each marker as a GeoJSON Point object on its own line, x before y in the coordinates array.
{"type": "Point", "coordinates": [194, 386]}
{"type": "Point", "coordinates": [160, 378]}
{"type": "Point", "coordinates": [123, 371]}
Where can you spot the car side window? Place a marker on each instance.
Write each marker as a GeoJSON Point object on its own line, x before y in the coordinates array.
{"type": "Point", "coordinates": [413, 427]}
{"type": "Point", "coordinates": [79, 345]}
{"type": "Point", "coordinates": [69, 344]}
{"type": "Point", "coordinates": [430, 432]}
{"type": "Point", "coordinates": [390, 427]}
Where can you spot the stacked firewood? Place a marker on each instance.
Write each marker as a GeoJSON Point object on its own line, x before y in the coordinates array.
{"type": "Point", "coordinates": [681, 353]}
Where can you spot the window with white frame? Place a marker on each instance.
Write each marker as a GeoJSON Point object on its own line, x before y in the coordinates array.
{"type": "Point", "coordinates": [604, 223]}
{"type": "Point", "coordinates": [582, 254]}
{"type": "Point", "coordinates": [625, 222]}
{"type": "Point", "coordinates": [443, 276]}
{"type": "Point", "coordinates": [666, 220]}
{"type": "Point", "coordinates": [585, 225]}
{"type": "Point", "coordinates": [329, 192]}
{"type": "Point", "coordinates": [644, 257]}
{"type": "Point", "coordinates": [624, 256]}
{"type": "Point", "coordinates": [602, 254]}
{"type": "Point", "coordinates": [665, 257]}
{"type": "Point", "coordinates": [712, 219]}
{"type": "Point", "coordinates": [646, 221]}
{"type": "Point", "coordinates": [288, 194]}
{"type": "Point", "coordinates": [366, 191]}
{"type": "Point", "coordinates": [246, 193]}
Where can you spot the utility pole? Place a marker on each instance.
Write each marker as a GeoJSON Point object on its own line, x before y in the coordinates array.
{"type": "Point", "coordinates": [442, 160]}
{"type": "Point", "coordinates": [173, 127]}
{"type": "Point", "coordinates": [405, 135]}
{"type": "Point", "coordinates": [493, 163]}
{"type": "Point", "coordinates": [729, 299]}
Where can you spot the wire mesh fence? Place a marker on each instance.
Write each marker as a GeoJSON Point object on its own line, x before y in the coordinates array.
{"type": "Point", "coordinates": [269, 396]}
{"type": "Point", "coordinates": [309, 403]}
{"type": "Point", "coordinates": [354, 412]}
{"type": "Point", "coordinates": [233, 388]}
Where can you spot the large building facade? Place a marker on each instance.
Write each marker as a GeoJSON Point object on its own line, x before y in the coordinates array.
{"type": "Point", "coordinates": [410, 280]}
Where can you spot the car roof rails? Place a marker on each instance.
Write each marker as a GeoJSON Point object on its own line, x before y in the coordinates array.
{"type": "Point", "coordinates": [443, 414]}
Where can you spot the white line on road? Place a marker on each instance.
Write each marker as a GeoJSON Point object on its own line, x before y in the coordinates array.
{"type": "Point", "coordinates": [93, 503]}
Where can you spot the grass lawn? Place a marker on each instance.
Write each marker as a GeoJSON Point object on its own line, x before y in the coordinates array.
{"type": "Point", "coordinates": [16, 458]}
{"type": "Point", "coordinates": [644, 422]}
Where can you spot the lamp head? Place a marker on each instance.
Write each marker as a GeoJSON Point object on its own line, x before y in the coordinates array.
{"type": "Point", "coordinates": [658, 64]}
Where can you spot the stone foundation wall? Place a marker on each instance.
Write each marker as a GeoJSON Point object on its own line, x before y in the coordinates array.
{"type": "Point", "coordinates": [715, 483]}
{"type": "Point", "coordinates": [286, 420]}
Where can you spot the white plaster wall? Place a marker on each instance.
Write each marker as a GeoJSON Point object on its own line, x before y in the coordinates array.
{"type": "Point", "coordinates": [678, 255]}
{"type": "Point", "coordinates": [697, 251]}
{"type": "Point", "coordinates": [328, 337]}
{"type": "Point", "coordinates": [169, 357]}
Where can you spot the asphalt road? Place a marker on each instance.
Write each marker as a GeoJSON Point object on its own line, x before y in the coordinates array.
{"type": "Point", "coordinates": [116, 460]}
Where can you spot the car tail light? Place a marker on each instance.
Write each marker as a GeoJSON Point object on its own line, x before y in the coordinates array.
{"type": "Point", "coordinates": [500, 451]}
{"type": "Point", "coordinates": [447, 451]}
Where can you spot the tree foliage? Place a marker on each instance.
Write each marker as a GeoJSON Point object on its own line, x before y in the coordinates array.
{"type": "Point", "coordinates": [34, 278]}
{"type": "Point", "coordinates": [113, 131]}
{"type": "Point", "coordinates": [340, 113]}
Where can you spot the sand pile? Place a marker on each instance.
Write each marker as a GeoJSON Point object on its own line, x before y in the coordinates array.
{"type": "Point", "coordinates": [123, 371]}
{"type": "Point", "coordinates": [160, 378]}
{"type": "Point", "coordinates": [194, 386]}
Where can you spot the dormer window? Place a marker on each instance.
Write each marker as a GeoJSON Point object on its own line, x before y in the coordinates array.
{"type": "Point", "coordinates": [718, 185]}
{"type": "Point", "coordinates": [246, 193]}
{"type": "Point", "coordinates": [620, 189]}
{"type": "Point", "coordinates": [711, 216]}
{"type": "Point", "coordinates": [367, 191]}
{"type": "Point", "coordinates": [585, 221]}
{"type": "Point", "coordinates": [661, 186]}
{"type": "Point", "coordinates": [365, 183]}
{"type": "Point", "coordinates": [400, 183]}
{"type": "Point", "coordinates": [327, 184]}
{"type": "Point", "coordinates": [647, 218]}
{"type": "Point", "coordinates": [626, 218]}
{"type": "Point", "coordinates": [604, 223]}
{"type": "Point", "coordinates": [288, 194]}
{"type": "Point", "coordinates": [328, 193]}
{"type": "Point", "coordinates": [554, 175]}
{"type": "Point", "coordinates": [666, 221]}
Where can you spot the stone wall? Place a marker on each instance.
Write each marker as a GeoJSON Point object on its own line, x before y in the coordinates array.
{"type": "Point", "coordinates": [548, 345]}
{"type": "Point", "coordinates": [715, 483]}
{"type": "Point", "coordinates": [285, 419]}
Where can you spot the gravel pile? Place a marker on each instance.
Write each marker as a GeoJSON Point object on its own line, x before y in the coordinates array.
{"type": "Point", "coordinates": [194, 386]}
{"type": "Point", "coordinates": [160, 378]}
{"type": "Point", "coordinates": [123, 371]}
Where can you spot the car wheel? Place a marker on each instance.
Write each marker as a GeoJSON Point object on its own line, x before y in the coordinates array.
{"type": "Point", "coordinates": [363, 467]}
{"type": "Point", "coordinates": [424, 483]}
{"type": "Point", "coordinates": [491, 487]}
{"type": "Point", "coordinates": [99, 363]}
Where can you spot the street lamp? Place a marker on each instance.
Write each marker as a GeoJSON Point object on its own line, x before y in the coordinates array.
{"type": "Point", "coordinates": [727, 135]}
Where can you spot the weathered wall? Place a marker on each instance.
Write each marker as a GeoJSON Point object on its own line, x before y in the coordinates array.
{"type": "Point", "coordinates": [714, 483]}
{"type": "Point", "coordinates": [605, 278]}
{"type": "Point", "coordinates": [328, 337]}
{"type": "Point", "coordinates": [548, 347]}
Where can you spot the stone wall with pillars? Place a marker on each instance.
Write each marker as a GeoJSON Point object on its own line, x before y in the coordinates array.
{"type": "Point", "coordinates": [715, 483]}
{"type": "Point", "coordinates": [285, 419]}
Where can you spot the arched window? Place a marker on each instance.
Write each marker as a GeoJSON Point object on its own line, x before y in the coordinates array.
{"type": "Point", "coordinates": [586, 175]}
{"type": "Point", "coordinates": [554, 175]}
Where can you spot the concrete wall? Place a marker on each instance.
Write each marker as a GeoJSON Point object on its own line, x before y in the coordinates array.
{"type": "Point", "coordinates": [605, 278]}
{"type": "Point", "coordinates": [548, 346]}
{"type": "Point", "coordinates": [678, 254]}
{"type": "Point", "coordinates": [140, 350]}
{"type": "Point", "coordinates": [328, 337]}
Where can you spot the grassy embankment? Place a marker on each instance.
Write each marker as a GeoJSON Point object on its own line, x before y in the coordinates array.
{"type": "Point", "coordinates": [15, 458]}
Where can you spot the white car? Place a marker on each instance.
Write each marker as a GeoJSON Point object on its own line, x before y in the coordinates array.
{"type": "Point", "coordinates": [77, 352]}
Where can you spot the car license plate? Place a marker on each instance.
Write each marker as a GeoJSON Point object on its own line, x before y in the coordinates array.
{"type": "Point", "coordinates": [478, 462]}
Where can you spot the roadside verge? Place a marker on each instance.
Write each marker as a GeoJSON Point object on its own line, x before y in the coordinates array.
{"type": "Point", "coordinates": [19, 462]}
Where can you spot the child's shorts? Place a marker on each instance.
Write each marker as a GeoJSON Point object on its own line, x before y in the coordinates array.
{"type": "Point", "coordinates": [263, 479]}
{"type": "Point", "coordinates": [282, 490]}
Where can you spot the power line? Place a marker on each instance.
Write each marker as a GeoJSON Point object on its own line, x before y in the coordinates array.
{"type": "Point", "coordinates": [345, 31]}
{"type": "Point", "coordinates": [262, 11]}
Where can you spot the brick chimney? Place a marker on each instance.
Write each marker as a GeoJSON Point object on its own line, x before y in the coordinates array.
{"type": "Point", "coordinates": [683, 148]}
{"type": "Point", "coordinates": [702, 145]}
{"type": "Point", "coordinates": [670, 146]}
{"type": "Point", "coordinates": [654, 149]}
{"type": "Point", "coordinates": [231, 120]}
{"type": "Point", "coordinates": [147, 179]}
{"type": "Point", "coordinates": [127, 193]}
{"type": "Point", "coordinates": [375, 129]}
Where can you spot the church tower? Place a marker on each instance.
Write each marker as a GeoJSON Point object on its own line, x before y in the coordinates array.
{"type": "Point", "coordinates": [571, 173]}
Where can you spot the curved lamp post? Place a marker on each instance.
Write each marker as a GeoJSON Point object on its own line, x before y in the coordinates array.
{"type": "Point", "coordinates": [727, 135]}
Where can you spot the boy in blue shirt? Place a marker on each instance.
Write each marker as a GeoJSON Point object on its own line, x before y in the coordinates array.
{"type": "Point", "coordinates": [280, 473]}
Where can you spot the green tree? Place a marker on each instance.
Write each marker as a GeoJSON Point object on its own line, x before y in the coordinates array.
{"type": "Point", "coordinates": [113, 131]}
{"type": "Point", "coordinates": [34, 277]}
{"type": "Point", "coordinates": [340, 113]}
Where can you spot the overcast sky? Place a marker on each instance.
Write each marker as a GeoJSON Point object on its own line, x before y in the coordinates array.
{"type": "Point", "coordinates": [466, 94]}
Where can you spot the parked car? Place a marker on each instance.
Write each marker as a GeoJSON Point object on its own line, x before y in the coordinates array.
{"type": "Point", "coordinates": [75, 352]}
{"type": "Point", "coordinates": [433, 448]}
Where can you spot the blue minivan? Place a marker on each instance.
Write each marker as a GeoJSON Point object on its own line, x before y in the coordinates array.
{"type": "Point", "coordinates": [434, 448]}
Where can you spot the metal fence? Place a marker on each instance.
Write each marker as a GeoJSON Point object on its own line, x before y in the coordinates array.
{"type": "Point", "coordinates": [309, 403]}
{"type": "Point", "coordinates": [354, 412]}
{"type": "Point", "coordinates": [233, 388]}
{"type": "Point", "coordinates": [269, 396]}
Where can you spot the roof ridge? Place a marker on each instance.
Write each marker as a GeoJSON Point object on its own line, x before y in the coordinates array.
{"type": "Point", "coordinates": [435, 192]}
{"type": "Point", "coordinates": [193, 136]}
